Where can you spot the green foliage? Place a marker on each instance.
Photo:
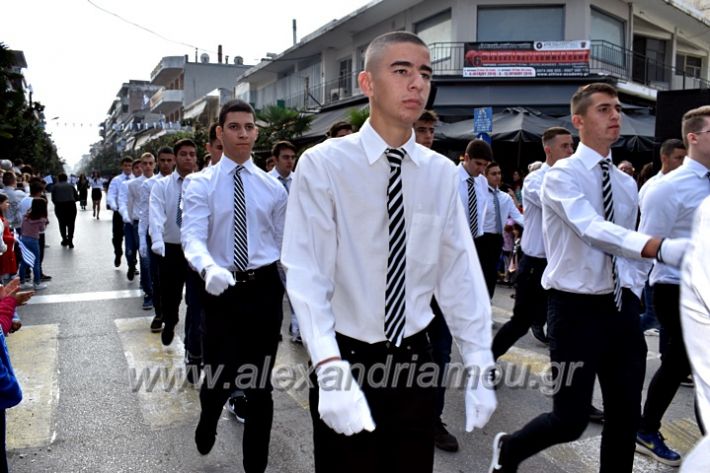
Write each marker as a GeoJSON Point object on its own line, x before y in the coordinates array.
{"type": "Point", "coordinates": [357, 118]}
{"type": "Point", "coordinates": [22, 134]}
{"type": "Point", "coordinates": [279, 123]}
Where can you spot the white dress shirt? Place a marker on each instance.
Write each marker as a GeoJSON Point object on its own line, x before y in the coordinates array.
{"type": "Point", "coordinates": [164, 196]}
{"type": "Point", "coordinates": [578, 239]}
{"type": "Point", "coordinates": [695, 321]}
{"type": "Point", "coordinates": [668, 208]}
{"type": "Point", "coordinates": [647, 185]}
{"type": "Point", "coordinates": [127, 204]}
{"type": "Point", "coordinates": [113, 188]}
{"type": "Point", "coordinates": [480, 186]}
{"type": "Point", "coordinates": [96, 183]}
{"type": "Point", "coordinates": [532, 242]}
{"type": "Point", "coordinates": [208, 218]}
{"type": "Point", "coordinates": [284, 181]}
{"type": "Point", "coordinates": [506, 208]}
{"type": "Point", "coordinates": [336, 246]}
{"type": "Point", "coordinates": [143, 205]}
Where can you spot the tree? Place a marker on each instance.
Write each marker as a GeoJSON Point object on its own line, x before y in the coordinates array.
{"type": "Point", "coordinates": [358, 117]}
{"type": "Point", "coordinates": [280, 123]}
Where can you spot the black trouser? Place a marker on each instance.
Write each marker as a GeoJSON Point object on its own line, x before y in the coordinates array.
{"type": "Point", "coordinates": [241, 334]}
{"type": "Point", "coordinates": [173, 271]}
{"type": "Point", "coordinates": [3, 455]}
{"type": "Point", "coordinates": [117, 239]}
{"type": "Point", "coordinates": [403, 440]}
{"type": "Point", "coordinates": [530, 305]}
{"type": "Point", "coordinates": [155, 278]}
{"type": "Point", "coordinates": [675, 366]}
{"type": "Point", "coordinates": [441, 340]}
{"type": "Point", "coordinates": [588, 338]}
{"type": "Point", "coordinates": [489, 247]}
{"type": "Point", "coordinates": [66, 217]}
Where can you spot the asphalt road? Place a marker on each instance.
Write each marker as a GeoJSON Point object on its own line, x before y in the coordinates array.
{"type": "Point", "coordinates": [85, 341]}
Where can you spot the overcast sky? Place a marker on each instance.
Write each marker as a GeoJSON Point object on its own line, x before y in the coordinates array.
{"type": "Point", "coordinates": [78, 55]}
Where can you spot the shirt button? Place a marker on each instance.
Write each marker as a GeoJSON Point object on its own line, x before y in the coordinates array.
{"type": "Point", "coordinates": [387, 344]}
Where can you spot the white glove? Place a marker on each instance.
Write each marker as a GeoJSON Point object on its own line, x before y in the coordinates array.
{"type": "Point", "coordinates": [143, 247]}
{"type": "Point", "coordinates": [479, 398]}
{"type": "Point", "coordinates": [158, 248]}
{"type": "Point", "coordinates": [217, 280]}
{"type": "Point", "coordinates": [672, 250]}
{"type": "Point", "coordinates": [342, 405]}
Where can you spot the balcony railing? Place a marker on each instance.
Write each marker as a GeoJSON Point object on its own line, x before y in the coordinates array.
{"type": "Point", "coordinates": [605, 58]}
{"type": "Point", "coordinates": [322, 94]}
{"type": "Point", "coordinates": [166, 101]}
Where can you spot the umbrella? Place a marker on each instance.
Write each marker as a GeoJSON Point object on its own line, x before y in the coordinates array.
{"type": "Point", "coordinates": [512, 125]}
{"type": "Point", "coordinates": [637, 131]}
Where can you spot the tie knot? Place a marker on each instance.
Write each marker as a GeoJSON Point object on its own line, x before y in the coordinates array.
{"type": "Point", "coordinates": [470, 180]}
{"type": "Point", "coordinates": [238, 169]}
{"type": "Point", "coordinates": [395, 156]}
{"type": "Point", "coordinates": [604, 163]}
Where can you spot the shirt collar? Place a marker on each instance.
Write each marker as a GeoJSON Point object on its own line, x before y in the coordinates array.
{"type": "Point", "coordinates": [228, 166]}
{"type": "Point", "coordinates": [463, 173]}
{"type": "Point", "coordinates": [589, 157]}
{"type": "Point", "coordinates": [696, 167]}
{"type": "Point", "coordinates": [375, 146]}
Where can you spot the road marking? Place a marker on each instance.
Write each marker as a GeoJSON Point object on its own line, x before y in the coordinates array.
{"type": "Point", "coordinates": [290, 355]}
{"type": "Point", "coordinates": [33, 352]}
{"type": "Point", "coordinates": [85, 296]}
{"type": "Point", "coordinates": [165, 397]}
{"type": "Point", "coordinates": [582, 456]}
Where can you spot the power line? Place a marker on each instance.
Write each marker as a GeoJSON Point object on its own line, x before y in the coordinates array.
{"type": "Point", "coordinates": [148, 30]}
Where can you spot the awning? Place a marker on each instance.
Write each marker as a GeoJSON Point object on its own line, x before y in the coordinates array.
{"type": "Point", "coordinates": [323, 121]}
{"type": "Point", "coordinates": [196, 110]}
{"type": "Point", "coordinates": [511, 125]}
{"type": "Point", "coordinates": [470, 94]}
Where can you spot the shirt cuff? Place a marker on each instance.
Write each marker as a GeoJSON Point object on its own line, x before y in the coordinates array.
{"type": "Point", "coordinates": [633, 244]}
{"type": "Point", "coordinates": [477, 357]}
{"type": "Point", "coordinates": [322, 348]}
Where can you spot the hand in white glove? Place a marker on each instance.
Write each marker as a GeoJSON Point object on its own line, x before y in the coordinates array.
{"type": "Point", "coordinates": [217, 280]}
{"type": "Point", "coordinates": [143, 247]}
{"type": "Point", "coordinates": [672, 250]}
{"type": "Point", "coordinates": [480, 398]}
{"type": "Point", "coordinates": [158, 248]}
{"type": "Point", "coordinates": [342, 405]}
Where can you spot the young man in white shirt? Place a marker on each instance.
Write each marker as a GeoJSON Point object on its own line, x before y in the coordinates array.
{"type": "Point", "coordinates": [499, 207]}
{"type": "Point", "coordinates": [594, 277]}
{"type": "Point", "coordinates": [112, 204]}
{"type": "Point", "coordinates": [166, 166]}
{"type": "Point", "coordinates": [232, 233]}
{"type": "Point", "coordinates": [667, 211]}
{"type": "Point", "coordinates": [374, 228]}
{"type": "Point", "coordinates": [134, 208]}
{"type": "Point", "coordinates": [695, 321]}
{"type": "Point", "coordinates": [126, 210]}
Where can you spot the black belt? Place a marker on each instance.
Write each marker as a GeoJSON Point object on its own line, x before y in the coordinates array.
{"type": "Point", "coordinates": [418, 341]}
{"type": "Point", "coordinates": [253, 274]}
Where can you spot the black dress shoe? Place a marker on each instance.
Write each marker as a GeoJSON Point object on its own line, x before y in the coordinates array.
{"type": "Point", "coordinates": [204, 438]}
{"type": "Point", "coordinates": [167, 335]}
{"type": "Point", "coordinates": [117, 261]}
{"type": "Point", "coordinates": [64, 242]}
{"type": "Point", "coordinates": [596, 415]}
{"type": "Point", "coordinates": [443, 438]}
{"type": "Point", "coordinates": [131, 273]}
{"type": "Point", "coordinates": [156, 325]}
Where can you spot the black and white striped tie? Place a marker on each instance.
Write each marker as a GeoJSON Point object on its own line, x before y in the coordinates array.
{"type": "Point", "coordinates": [472, 207]}
{"type": "Point", "coordinates": [178, 212]}
{"type": "Point", "coordinates": [608, 200]}
{"type": "Point", "coordinates": [396, 260]}
{"type": "Point", "coordinates": [241, 248]}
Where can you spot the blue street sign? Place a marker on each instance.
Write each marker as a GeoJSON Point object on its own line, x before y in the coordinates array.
{"type": "Point", "coordinates": [482, 120]}
{"type": "Point", "coordinates": [485, 137]}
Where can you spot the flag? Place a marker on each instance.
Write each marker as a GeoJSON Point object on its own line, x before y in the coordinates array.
{"type": "Point", "coordinates": [27, 256]}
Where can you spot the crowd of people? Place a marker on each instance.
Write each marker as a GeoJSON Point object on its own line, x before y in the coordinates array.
{"type": "Point", "coordinates": [389, 252]}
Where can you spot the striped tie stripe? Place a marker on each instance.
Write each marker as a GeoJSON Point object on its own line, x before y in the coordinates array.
{"type": "Point", "coordinates": [608, 202]}
{"type": "Point", "coordinates": [396, 260]}
{"type": "Point", "coordinates": [472, 207]}
{"type": "Point", "coordinates": [178, 211]}
{"type": "Point", "coordinates": [241, 253]}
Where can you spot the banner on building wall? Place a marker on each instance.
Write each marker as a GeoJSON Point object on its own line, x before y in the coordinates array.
{"type": "Point", "coordinates": [526, 59]}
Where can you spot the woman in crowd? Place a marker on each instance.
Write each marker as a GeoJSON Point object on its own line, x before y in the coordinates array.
{"type": "Point", "coordinates": [97, 183]}
{"type": "Point", "coordinates": [83, 188]}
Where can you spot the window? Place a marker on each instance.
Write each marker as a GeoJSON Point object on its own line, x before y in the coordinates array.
{"type": "Point", "coordinates": [521, 23]}
{"type": "Point", "coordinates": [688, 65]}
{"type": "Point", "coordinates": [435, 29]}
{"type": "Point", "coordinates": [608, 28]}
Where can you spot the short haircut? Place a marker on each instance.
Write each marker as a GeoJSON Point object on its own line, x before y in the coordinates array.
{"type": "Point", "coordinates": [491, 165]}
{"type": "Point", "coordinates": [136, 162]}
{"type": "Point", "coordinates": [379, 44]}
{"type": "Point", "coordinates": [182, 143]}
{"type": "Point", "coordinates": [428, 116]}
{"type": "Point", "coordinates": [235, 106]}
{"type": "Point", "coordinates": [212, 134]}
{"type": "Point", "coordinates": [582, 97]}
{"type": "Point", "coordinates": [147, 155]}
{"type": "Point", "coordinates": [552, 133]}
{"type": "Point", "coordinates": [337, 127]}
{"type": "Point", "coordinates": [281, 145]}
{"type": "Point", "coordinates": [62, 177]}
{"type": "Point", "coordinates": [166, 150]}
{"type": "Point", "coordinates": [670, 145]}
{"type": "Point", "coordinates": [36, 187]}
{"type": "Point", "coordinates": [9, 178]}
{"type": "Point", "coordinates": [125, 160]}
{"type": "Point", "coordinates": [479, 149]}
{"type": "Point", "coordinates": [694, 120]}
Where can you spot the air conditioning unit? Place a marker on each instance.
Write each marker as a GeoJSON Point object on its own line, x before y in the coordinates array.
{"type": "Point", "coordinates": [337, 94]}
